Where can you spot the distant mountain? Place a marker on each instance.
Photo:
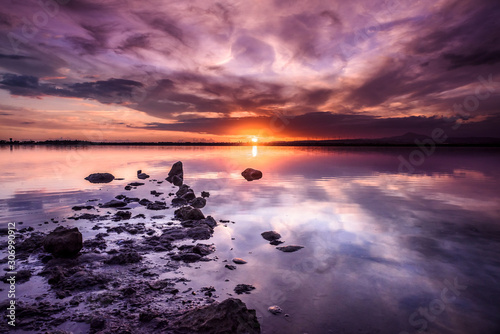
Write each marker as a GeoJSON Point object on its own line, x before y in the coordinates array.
{"type": "Point", "coordinates": [408, 139]}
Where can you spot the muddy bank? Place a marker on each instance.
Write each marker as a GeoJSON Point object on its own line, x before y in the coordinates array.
{"type": "Point", "coordinates": [125, 277]}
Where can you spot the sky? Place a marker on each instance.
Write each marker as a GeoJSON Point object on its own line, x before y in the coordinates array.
{"type": "Point", "coordinates": [208, 70]}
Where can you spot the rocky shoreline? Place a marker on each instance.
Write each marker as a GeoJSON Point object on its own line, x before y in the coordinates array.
{"type": "Point", "coordinates": [106, 283]}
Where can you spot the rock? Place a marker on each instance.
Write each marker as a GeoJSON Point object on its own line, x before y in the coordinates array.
{"type": "Point", "coordinates": [63, 242]}
{"type": "Point", "coordinates": [128, 188]}
{"type": "Point", "coordinates": [160, 284]}
{"type": "Point", "coordinates": [125, 258]}
{"type": "Point", "coordinates": [243, 288]}
{"type": "Point", "coordinates": [189, 196]}
{"type": "Point", "coordinates": [81, 207]}
{"type": "Point", "coordinates": [275, 309]}
{"type": "Point", "coordinates": [173, 234]}
{"type": "Point", "coordinates": [182, 190]}
{"type": "Point", "coordinates": [187, 257]}
{"type": "Point", "coordinates": [230, 316]}
{"type": "Point", "coordinates": [230, 266]}
{"type": "Point", "coordinates": [251, 174]}
{"type": "Point", "coordinates": [97, 323]}
{"type": "Point", "coordinates": [142, 175]}
{"type": "Point", "coordinates": [289, 249]}
{"type": "Point", "coordinates": [155, 193]}
{"type": "Point", "coordinates": [100, 178]}
{"type": "Point", "coordinates": [205, 194]}
{"type": "Point", "coordinates": [238, 260]}
{"type": "Point", "coordinates": [271, 235]}
{"type": "Point", "coordinates": [122, 215]}
{"type": "Point", "coordinates": [157, 206]}
{"type": "Point", "coordinates": [210, 221]}
{"type": "Point", "coordinates": [199, 203]}
{"type": "Point", "coordinates": [136, 184]}
{"type": "Point", "coordinates": [189, 213]}
{"type": "Point", "coordinates": [22, 276]}
{"type": "Point", "coordinates": [178, 202]}
{"type": "Point", "coordinates": [144, 201]}
{"type": "Point", "coordinates": [200, 233]}
{"type": "Point", "coordinates": [176, 174]}
{"type": "Point", "coordinates": [131, 200]}
{"type": "Point", "coordinates": [114, 204]}
{"type": "Point", "coordinates": [276, 242]}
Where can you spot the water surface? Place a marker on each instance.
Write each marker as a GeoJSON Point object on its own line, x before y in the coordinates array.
{"type": "Point", "coordinates": [384, 251]}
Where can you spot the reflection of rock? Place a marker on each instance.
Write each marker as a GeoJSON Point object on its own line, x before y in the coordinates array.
{"type": "Point", "coordinates": [100, 178]}
{"type": "Point", "coordinates": [289, 249]}
{"type": "Point", "coordinates": [176, 174]}
{"type": "Point", "coordinates": [271, 235]}
{"type": "Point", "coordinates": [63, 242]}
{"type": "Point", "coordinates": [230, 316]}
{"type": "Point", "coordinates": [243, 288]}
{"type": "Point", "coordinates": [251, 174]}
{"type": "Point", "coordinates": [275, 309]}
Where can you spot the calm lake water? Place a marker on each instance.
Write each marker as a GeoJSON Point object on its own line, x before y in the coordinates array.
{"type": "Point", "coordinates": [384, 251]}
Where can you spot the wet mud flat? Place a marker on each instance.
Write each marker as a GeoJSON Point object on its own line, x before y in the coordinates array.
{"type": "Point", "coordinates": [126, 276]}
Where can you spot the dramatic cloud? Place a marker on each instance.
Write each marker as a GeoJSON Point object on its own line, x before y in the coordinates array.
{"type": "Point", "coordinates": [335, 69]}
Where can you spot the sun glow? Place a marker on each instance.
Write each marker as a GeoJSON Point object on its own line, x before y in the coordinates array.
{"type": "Point", "coordinates": [255, 139]}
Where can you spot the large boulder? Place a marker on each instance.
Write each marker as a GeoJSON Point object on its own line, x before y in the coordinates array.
{"type": "Point", "coordinates": [189, 213]}
{"type": "Point", "coordinates": [251, 174]}
{"type": "Point", "coordinates": [100, 178]}
{"type": "Point", "coordinates": [229, 316]}
{"type": "Point", "coordinates": [176, 174]}
{"type": "Point", "coordinates": [63, 242]}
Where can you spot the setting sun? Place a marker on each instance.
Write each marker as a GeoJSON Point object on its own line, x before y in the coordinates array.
{"type": "Point", "coordinates": [255, 139]}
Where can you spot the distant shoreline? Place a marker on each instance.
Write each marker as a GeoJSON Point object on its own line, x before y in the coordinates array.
{"type": "Point", "coordinates": [354, 143]}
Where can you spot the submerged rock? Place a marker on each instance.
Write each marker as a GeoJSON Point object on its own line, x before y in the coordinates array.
{"type": "Point", "coordinates": [205, 194]}
{"type": "Point", "coordinates": [229, 316]}
{"type": "Point", "coordinates": [100, 178]}
{"type": "Point", "coordinates": [63, 242]}
{"type": "Point", "coordinates": [275, 309]}
{"type": "Point", "coordinates": [176, 174]}
{"type": "Point", "coordinates": [289, 249]}
{"type": "Point", "coordinates": [251, 174]}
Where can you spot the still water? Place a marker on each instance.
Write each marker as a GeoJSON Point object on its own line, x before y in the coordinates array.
{"type": "Point", "coordinates": [384, 251]}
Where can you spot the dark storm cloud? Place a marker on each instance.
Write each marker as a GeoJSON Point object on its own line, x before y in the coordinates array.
{"type": "Point", "coordinates": [332, 126]}
{"type": "Point", "coordinates": [109, 91]}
